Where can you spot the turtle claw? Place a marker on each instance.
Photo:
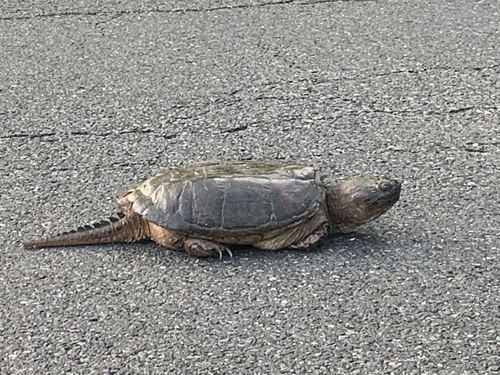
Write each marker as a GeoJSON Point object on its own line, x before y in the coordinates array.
{"type": "Point", "coordinates": [228, 251]}
{"type": "Point", "coordinates": [224, 249]}
{"type": "Point", "coordinates": [204, 248]}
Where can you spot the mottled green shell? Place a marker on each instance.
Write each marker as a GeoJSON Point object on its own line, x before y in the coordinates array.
{"type": "Point", "coordinates": [230, 199]}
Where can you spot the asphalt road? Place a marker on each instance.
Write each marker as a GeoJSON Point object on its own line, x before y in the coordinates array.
{"type": "Point", "coordinates": [93, 99]}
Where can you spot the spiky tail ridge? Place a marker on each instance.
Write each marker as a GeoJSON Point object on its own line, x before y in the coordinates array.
{"type": "Point", "coordinates": [130, 228]}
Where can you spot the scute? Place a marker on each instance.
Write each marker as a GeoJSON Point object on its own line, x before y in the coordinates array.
{"type": "Point", "coordinates": [233, 199]}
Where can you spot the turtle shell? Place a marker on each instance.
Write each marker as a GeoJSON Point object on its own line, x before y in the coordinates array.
{"type": "Point", "coordinates": [230, 200]}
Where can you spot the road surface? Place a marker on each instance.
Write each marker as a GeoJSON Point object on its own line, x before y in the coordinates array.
{"type": "Point", "coordinates": [95, 98]}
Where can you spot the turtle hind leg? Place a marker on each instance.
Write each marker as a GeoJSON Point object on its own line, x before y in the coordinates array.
{"type": "Point", "coordinates": [204, 248]}
{"type": "Point", "coordinates": [198, 247]}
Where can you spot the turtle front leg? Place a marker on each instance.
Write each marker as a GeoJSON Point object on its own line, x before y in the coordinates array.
{"type": "Point", "coordinates": [205, 248]}
{"type": "Point", "coordinates": [313, 239]}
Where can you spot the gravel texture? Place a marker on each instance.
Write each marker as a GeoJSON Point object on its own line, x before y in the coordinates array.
{"type": "Point", "coordinates": [95, 98]}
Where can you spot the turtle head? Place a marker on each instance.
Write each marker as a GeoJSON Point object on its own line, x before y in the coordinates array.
{"type": "Point", "coordinates": [360, 200]}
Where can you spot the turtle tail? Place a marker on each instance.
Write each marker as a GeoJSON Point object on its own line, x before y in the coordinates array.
{"type": "Point", "coordinates": [130, 228]}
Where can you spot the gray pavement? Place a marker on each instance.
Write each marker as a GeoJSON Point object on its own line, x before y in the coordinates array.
{"type": "Point", "coordinates": [95, 98]}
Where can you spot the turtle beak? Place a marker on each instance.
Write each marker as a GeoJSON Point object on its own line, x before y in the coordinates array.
{"type": "Point", "coordinates": [390, 190]}
{"type": "Point", "coordinates": [396, 186]}
{"type": "Point", "coordinates": [397, 190]}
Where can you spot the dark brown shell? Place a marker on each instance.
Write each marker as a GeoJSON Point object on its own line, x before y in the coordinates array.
{"type": "Point", "coordinates": [230, 199]}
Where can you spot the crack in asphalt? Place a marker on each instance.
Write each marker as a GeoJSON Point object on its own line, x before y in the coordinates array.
{"type": "Point", "coordinates": [119, 13]}
{"type": "Point", "coordinates": [479, 147]}
{"type": "Point", "coordinates": [235, 129]}
{"type": "Point", "coordinates": [316, 79]}
{"type": "Point", "coordinates": [409, 71]}
{"type": "Point", "coordinates": [29, 136]}
{"type": "Point", "coordinates": [445, 68]}
{"type": "Point", "coordinates": [460, 110]}
{"type": "Point", "coordinates": [243, 126]}
{"type": "Point", "coordinates": [105, 134]}
{"type": "Point", "coordinates": [265, 97]}
{"type": "Point", "coordinates": [86, 133]}
{"type": "Point", "coordinates": [437, 113]}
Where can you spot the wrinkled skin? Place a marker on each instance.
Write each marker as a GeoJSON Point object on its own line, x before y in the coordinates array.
{"type": "Point", "coordinates": [360, 200]}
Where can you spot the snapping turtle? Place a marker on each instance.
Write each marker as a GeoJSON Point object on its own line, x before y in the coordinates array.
{"type": "Point", "coordinates": [203, 208]}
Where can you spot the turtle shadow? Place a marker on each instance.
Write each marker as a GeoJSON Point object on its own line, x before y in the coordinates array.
{"type": "Point", "coordinates": [352, 244]}
{"type": "Point", "coordinates": [359, 241]}
{"type": "Point", "coordinates": [344, 245]}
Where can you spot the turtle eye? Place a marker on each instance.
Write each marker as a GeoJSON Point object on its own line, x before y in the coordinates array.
{"type": "Point", "coordinates": [385, 186]}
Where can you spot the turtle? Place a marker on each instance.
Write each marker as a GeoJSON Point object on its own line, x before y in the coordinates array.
{"type": "Point", "coordinates": [205, 208]}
